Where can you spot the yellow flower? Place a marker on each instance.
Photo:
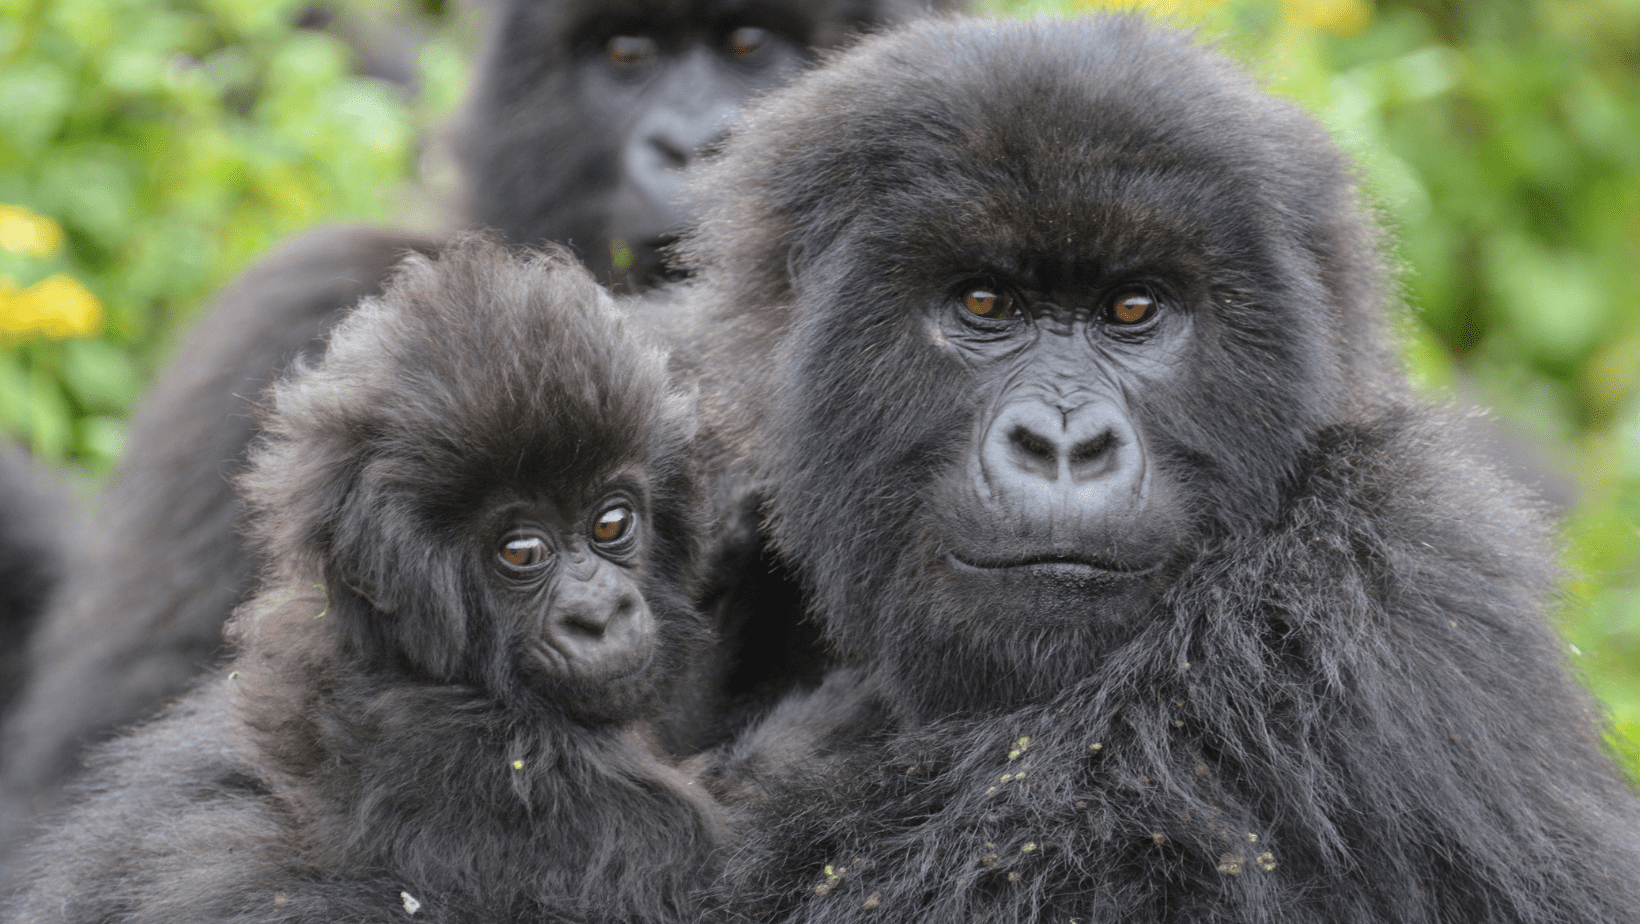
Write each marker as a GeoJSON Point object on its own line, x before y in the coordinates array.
{"type": "Point", "coordinates": [57, 307]}
{"type": "Point", "coordinates": [1340, 17]}
{"type": "Point", "coordinates": [22, 231]}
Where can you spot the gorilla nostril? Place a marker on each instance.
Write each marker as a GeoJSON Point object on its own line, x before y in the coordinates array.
{"type": "Point", "coordinates": [1090, 450]}
{"type": "Point", "coordinates": [586, 626]}
{"type": "Point", "coordinates": [1033, 453]}
{"type": "Point", "coordinates": [1034, 444]}
{"type": "Point", "coordinates": [673, 156]}
{"type": "Point", "coordinates": [592, 624]}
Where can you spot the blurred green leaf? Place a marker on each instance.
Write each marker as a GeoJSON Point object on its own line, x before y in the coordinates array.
{"type": "Point", "coordinates": [1552, 299]}
{"type": "Point", "coordinates": [101, 439]}
{"type": "Point", "coordinates": [99, 375]}
{"type": "Point", "coordinates": [35, 97]}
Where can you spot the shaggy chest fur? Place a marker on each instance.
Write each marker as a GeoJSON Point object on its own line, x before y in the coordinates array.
{"type": "Point", "coordinates": [1321, 723]}
{"type": "Point", "coordinates": [473, 808]}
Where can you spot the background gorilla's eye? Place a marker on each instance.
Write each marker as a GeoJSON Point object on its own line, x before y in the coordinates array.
{"type": "Point", "coordinates": [524, 551]}
{"type": "Point", "coordinates": [988, 303]}
{"type": "Point", "coordinates": [631, 49]}
{"type": "Point", "coordinates": [1132, 308]}
{"type": "Point", "coordinates": [746, 41]}
{"type": "Point", "coordinates": [613, 525]}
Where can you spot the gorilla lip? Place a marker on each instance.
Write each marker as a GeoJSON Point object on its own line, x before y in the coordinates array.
{"type": "Point", "coordinates": [562, 663]}
{"type": "Point", "coordinates": [1051, 563]}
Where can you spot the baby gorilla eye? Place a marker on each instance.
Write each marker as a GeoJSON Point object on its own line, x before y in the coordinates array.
{"type": "Point", "coordinates": [747, 41]}
{"type": "Point", "coordinates": [613, 525]}
{"type": "Point", "coordinates": [523, 551]}
{"type": "Point", "coordinates": [989, 303]}
{"type": "Point", "coordinates": [1132, 308]}
{"type": "Point", "coordinates": [627, 50]}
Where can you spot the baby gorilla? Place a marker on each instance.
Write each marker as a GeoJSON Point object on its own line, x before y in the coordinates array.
{"type": "Point", "coordinates": [481, 522]}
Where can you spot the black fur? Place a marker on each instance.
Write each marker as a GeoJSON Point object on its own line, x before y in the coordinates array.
{"type": "Point", "coordinates": [37, 531]}
{"type": "Point", "coordinates": [379, 731]}
{"type": "Point", "coordinates": [539, 141]}
{"type": "Point", "coordinates": [1335, 698]}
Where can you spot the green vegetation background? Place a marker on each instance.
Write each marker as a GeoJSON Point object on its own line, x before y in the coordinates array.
{"type": "Point", "coordinates": [172, 141]}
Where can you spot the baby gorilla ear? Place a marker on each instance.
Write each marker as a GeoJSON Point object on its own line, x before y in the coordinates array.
{"type": "Point", "coordinates": [395, 583]}
{"type": "Point", "coordinates": [325, 510]}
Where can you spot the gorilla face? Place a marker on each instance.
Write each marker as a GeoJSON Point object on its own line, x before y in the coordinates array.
{"type": "Point", "coordinates": [1068, 324]}
{"type": "Point", "coordinates": [563, 575]}
{"type": "Point", "coordinates": [1056, 501]}
{"type": "Point", "coordinates": [588, 114]}
{"type": "Point", "coordinates": [494, 480]}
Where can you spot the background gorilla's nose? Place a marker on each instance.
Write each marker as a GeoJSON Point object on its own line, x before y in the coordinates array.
{"type": "Point", "coordinates": [661, 149]}
{"type": "Point", "coordinates": [1034, 444]}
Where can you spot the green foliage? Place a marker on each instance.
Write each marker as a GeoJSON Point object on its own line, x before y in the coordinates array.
{"type": "Point", "coordinates": [174, 140]}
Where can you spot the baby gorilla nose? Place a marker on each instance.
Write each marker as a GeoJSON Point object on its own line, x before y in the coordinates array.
{"type": "Point", "coordinates": [599, 621]}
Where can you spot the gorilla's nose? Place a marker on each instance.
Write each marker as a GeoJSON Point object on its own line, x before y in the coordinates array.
{"type": "Point", "coordinates": [1076, 459]}
{"type": "Point", "coordinates": [662, 147]}
{"type": "Point", "coordinates": [600, 619]}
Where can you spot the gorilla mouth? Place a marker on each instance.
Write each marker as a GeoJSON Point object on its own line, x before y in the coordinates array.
{"type": "Point", "coordinates": [612, 671]}
{"type": "Point", "coordinates": [1054, 564]}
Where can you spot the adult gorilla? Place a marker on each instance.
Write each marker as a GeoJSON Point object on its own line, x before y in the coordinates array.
{"type": "Point", "coordinates": [1166, 600]}
{"type": "Point", "coordinates": [583, 118]}
{"type": "Point", "coordinates": [586, 114]}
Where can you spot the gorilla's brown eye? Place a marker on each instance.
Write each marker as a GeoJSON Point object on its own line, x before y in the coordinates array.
{"type": "Point", "coordinates": [747, 40]}
{"type": "Point", "coordinates": [613, 525]}
{"type": "Point", "coordinates": [988, 303]}
{"type": "Point", "coordinates": [524, 551]}
{"type": "Point", "coordinates": [631, 49]}
{"type": "Point", "coordinates": [1132, 308]}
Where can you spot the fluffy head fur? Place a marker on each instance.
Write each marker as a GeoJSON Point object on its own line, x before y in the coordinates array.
{"type": "Point", "coordinates": [475, 377]}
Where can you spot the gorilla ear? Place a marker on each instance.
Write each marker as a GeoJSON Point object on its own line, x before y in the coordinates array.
{"type": "Point", "coordinates": [795, 262]}
{"type": "Point", "coordinates": [396, 587]}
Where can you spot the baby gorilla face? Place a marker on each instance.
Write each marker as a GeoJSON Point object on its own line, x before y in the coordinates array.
{"type": "Point", "coordinates": [570, 573]}
{"type": "Point", "coordinates": [493, 479]}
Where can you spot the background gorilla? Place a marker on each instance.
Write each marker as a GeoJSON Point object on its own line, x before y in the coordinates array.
{"type": "Point", "coordinates": [665, 78]}
{"type": "Point", "coordinates": [490, 483]}
{"type": "Point", "coordinates": [36, 521]}
{"type": "Point", "coordinates": [582, 117]}
{"type": "Point", "coordinates": [1167, 600]}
